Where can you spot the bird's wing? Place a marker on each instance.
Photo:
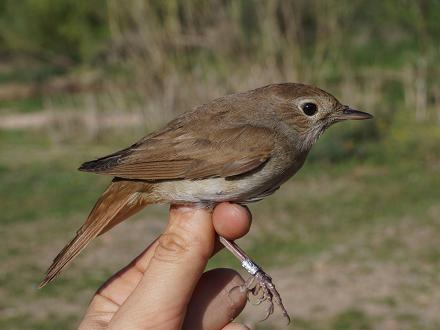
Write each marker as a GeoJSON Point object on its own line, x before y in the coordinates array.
{"type": "Point", "coordinates": [178, 152]}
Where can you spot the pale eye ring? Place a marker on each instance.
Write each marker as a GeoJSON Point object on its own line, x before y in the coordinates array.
{"type": "Point", "coordinates": [309, 108]}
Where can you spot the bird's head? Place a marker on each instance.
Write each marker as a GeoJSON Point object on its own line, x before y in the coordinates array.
{"type": "Point", "coordinates": [310, 110]}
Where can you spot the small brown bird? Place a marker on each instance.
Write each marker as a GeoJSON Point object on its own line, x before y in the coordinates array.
{"type": "Point", "coordinates": [238, 148]}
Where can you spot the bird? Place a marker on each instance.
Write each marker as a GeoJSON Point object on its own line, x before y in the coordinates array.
{"type": "Point", "coordinates": [237, 148]}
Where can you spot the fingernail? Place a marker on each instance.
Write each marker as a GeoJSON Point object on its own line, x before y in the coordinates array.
{"type": "Point", "coordinates": [234, 296]}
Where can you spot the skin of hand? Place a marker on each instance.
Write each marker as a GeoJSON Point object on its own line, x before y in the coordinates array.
{"type": "Point", "coordinates": [165, 287]}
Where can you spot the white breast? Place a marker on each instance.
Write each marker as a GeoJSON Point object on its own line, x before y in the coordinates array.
{"type": "Point", "coordinates": [215, 189]}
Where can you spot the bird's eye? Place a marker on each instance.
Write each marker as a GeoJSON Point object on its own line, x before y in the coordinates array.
{"type": "Point", "coordinates": [309, 108]}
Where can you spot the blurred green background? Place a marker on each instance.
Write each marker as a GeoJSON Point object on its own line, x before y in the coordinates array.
{"type": "Point", "coordinates": [352, 241]}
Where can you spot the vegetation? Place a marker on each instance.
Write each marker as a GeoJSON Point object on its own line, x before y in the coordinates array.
{"type": "Point", "coordinates": [358, 245]}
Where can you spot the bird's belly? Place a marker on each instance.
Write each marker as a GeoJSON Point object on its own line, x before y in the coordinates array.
{"type": "Point", "coordinates": [206, 190]}
{"type": "Point", "coordinates": [243, 188]}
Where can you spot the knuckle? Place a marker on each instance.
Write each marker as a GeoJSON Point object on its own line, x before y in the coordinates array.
{"type": "Point", "coordinates": [171, 247]}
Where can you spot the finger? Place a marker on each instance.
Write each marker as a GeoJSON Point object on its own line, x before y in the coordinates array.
{"type": "Point", "coordinates": [231, 221]}
{"type": "Point", "coordinates": [215, 303]}
{"type": "Point", "coordinates": [162, 295]}
{"type": "Point", "coordinates": [113, 293]}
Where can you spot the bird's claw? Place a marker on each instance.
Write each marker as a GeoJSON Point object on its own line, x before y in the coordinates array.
{"type": "Point", "coordinates": [261, 285]}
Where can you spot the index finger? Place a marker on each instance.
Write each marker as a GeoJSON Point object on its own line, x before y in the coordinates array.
{"type": "Point", "coordinates": [166, 287]}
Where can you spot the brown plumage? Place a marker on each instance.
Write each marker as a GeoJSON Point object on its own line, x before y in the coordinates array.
{"type": "Point", "coordinates": [180, 152]}
{"type": "Point", "coordinates": [239, 148]}
{"type": "Point", "coordinates": [118, 202]}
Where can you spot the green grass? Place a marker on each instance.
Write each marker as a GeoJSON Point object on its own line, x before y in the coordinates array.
{"type": "Point", "coordinates": [44, 183]}
{"type": "Point", "coordinates": [24, 188]}
{"type": "Point", "coordinates": [53, 321]}
{"type": "Point", "coordinates": [29, 73]}
{"type": "Point", "coordinates": [350, 319]}
{"type": "Point", "coordinates": [31, 104]}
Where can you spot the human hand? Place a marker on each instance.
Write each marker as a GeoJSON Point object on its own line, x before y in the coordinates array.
{"type": "Point", "coordinates": [165, 287]}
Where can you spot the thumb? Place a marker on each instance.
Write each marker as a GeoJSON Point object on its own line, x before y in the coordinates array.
{"type": "Point", "coordinates": [161, 297]}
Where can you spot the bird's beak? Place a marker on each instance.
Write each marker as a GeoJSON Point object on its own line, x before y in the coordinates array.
{"type": "Point", "coordinates": [350, 114]}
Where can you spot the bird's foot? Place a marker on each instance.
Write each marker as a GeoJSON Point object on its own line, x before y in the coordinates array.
{"type": "Point", "coordinates": [260, 285]}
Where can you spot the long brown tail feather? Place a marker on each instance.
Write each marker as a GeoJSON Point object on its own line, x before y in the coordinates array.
{"type": "Point", "coordinates": [120, 200]}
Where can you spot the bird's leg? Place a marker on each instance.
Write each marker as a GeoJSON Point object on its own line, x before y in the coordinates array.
{"type": "Point", "coordinates": [259, 280]}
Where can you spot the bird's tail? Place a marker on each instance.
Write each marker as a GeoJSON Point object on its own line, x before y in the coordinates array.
{"type": "Point", "coordinates": [119, 201]}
